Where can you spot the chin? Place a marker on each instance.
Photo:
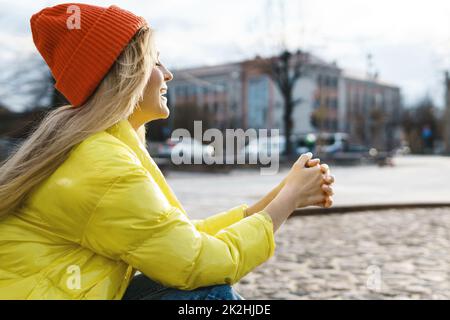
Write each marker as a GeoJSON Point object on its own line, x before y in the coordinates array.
{"type": "Point", "coordinates": [165, 114]}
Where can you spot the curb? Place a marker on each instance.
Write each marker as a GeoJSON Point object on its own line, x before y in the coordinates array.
{"type": "Point", "coordinates": [359, 208]}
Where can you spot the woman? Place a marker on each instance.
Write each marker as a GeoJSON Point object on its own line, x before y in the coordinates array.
{"type": "Point", "coordinates": [83, 207]}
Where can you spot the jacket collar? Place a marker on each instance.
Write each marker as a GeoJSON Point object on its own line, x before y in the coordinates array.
{"type": "Point", "coordinates": [124, 131]}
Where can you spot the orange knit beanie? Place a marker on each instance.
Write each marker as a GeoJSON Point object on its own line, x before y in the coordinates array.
{"type": "Point", "coordinates": [80, 43]}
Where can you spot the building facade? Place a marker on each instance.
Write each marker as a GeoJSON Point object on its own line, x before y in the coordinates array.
{"type": "Point", "coordinates": [371, 112]}
{"type": "Point", "coordinates": [240, 95]}
{"type": "Point", "coordinates": [213, 92]}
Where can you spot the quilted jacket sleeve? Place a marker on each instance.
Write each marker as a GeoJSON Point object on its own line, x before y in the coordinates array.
{"type": "Point", "coordinates": [134, 222]}
{"type": "Point", "coordinates": [217, 222]}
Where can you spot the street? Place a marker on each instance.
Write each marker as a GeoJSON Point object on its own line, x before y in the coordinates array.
{"type": "Point", "coordinates": [413, 179]}
{"type": "Point", "coordinates": [391, 254]}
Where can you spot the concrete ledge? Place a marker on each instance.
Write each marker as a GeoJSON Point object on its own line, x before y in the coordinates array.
{"type": "Point", "coordinates": [368, 207]}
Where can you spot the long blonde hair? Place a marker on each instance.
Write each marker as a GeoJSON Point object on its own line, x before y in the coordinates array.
{"type": "Point", "coordinates": [50, 143]}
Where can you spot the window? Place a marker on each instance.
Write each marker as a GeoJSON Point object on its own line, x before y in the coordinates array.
{"type": "Point", "coordinates": [334, 103]}
{"type": "Point", "coordinates": [258, 101]}
{"type": "Point", "coordinates": [335, 82]}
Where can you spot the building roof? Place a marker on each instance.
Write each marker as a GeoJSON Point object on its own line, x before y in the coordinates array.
{"type": "Point", "coordinates": [357, 75]}
{"type": "Point", "coordinates": [227, 67]}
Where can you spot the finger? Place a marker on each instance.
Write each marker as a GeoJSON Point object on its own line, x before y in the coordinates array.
{"type": "Point", "coordinates": [313, 163]}
{"type": "Point", "coordinates": [304, 158]}
{"type": "Point", "coordinates": [321, 204]}
{"type": "Point", "coordinates": [319, 200]}
{"type": "Point", "coordinates": [328, 179]}
{"type": "Point", "coordinates": [328, 202]}
{"type": "Point", "coordinates": [324, 168]}
{"type": "Point", "coordinates": [327, 189]}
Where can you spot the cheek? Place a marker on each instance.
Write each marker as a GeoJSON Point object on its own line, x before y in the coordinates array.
{"type": "Point", "coordinates": [149, 95]}
{"type": "Point", "coordinates": [152, 92]}
{"type": "Point", "coordinates": [152, 104]}
{"type": "Point", "coordinates": [154, 84]}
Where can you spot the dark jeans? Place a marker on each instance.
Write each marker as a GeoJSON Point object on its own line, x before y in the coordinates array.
{"type": "Point", "coordinates": [143, 288]}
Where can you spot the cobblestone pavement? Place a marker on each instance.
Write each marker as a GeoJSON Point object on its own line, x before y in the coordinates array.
{"type": "Point", "coordinates": [345, 256]}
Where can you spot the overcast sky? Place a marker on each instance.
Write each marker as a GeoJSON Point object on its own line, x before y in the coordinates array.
{"type": "Point", "coordinates": [409, 39]}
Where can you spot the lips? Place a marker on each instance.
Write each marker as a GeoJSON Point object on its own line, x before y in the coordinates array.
{"type": "Point", "coordinates": [163, 93]}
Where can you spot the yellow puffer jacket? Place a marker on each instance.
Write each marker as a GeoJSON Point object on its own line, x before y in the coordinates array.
{"type": "Point", "coordinates": [107, 212]}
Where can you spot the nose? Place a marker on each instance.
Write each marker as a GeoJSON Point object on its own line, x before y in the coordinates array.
{"type": "Point", "coordinates": [167, 75]}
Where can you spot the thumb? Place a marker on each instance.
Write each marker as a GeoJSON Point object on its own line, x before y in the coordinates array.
{"type": "Point", "coordinates": [304, 158]}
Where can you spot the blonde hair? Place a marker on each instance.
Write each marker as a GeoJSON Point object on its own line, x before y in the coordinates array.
{"type": "Point", "coordinates": [50, 143]}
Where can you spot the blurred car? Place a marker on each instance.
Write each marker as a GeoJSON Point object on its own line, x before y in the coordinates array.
{"type": "Point", "coordinates": [164, 150]}
{"type": "Point", "coordinates": [330, 143]}
{"type": "Point", "coordinates": [357, 154]}
{"type": "Point", "coordinates": [404, 149]}
{"type": "Point", "coordinates": [266, 146]}
{"type": "Point", "coordinates": [7, 145]}
{"type": "Point", "coordinates": [186, 148]}
{"type": "Point", "coordinates": [305, 143]}
{"type": "Point", "coordinates": [363, 150]}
